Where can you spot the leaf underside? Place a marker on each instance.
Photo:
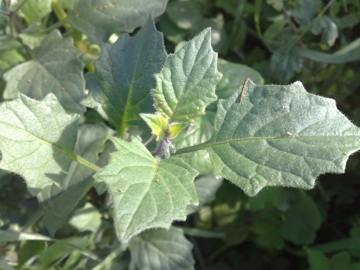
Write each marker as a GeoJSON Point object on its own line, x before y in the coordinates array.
{"type": "Point", "coordinates": [37, 140]}
{"type": "Point", "coordinates": [279, 136]}
{"type": "Point", "coordinates": [146, 192]}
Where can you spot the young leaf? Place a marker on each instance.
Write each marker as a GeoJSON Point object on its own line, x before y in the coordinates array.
{"type": "Point", "coordinates": [278, 136]}
{"type": "Point", "coordinates": [160, 127]}
{"type": "Point", "coordinates": [146, 192]}
{"type": "Point", "coordinates": [186, 85]}
{"type": "Point", "coordinates": [161, 249]}
{"type": "Point", "coordinates": [37, 140]}
{"type": "Point", "coordinates": [157, 123]}
{"type": "Point", "coordinates": [99, 19]}
{"type": "Point", "coordinates": [55, 69]}
{"type": "Point", "coordinates": [120, 86]}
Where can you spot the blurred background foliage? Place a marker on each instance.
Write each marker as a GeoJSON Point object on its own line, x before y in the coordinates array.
{"type": "Point", "coordinates": [313, 41]}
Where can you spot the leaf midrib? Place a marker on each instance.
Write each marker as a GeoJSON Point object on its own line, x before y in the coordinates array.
{"type": "Point", "coordinates": [212, 143]}
{"type": "Point", "coordinates": [70, 155]}
{"type": "Point", "coordinates": [127, 104]}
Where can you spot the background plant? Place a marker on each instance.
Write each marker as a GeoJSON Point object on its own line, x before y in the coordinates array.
{"type": "Point", "coordinates": [311, 41]}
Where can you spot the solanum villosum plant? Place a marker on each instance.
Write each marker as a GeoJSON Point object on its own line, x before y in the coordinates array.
{"type": "Point", "coordinates": [254, 135]}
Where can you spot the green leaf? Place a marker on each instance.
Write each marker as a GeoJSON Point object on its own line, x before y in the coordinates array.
{"type": "Point", "coordinates": [231, 6]}
{"type": "Point", "coordinates": [87, 218]}
{"type": "Point", "coordinates": [35, 10]}
{"type": "Point", "coordinates": [341, 261]}
{"type": "Point", "coordinates": [161, 249]}
{"type": "Point", "coordinates": [219, 38]}
{"type": "Point", "coordinates": [184, 14]}
{"type": "Point", "coordinates": [276, 4]}
{"type": "Point", "coordinates": [160, 127]}
{"type": "Point", "coordinates": [330, 58]}
{"type": "Point", "coordinates": [186, 85]}
{"type": "Point", "coordinates": [286, 62]}
{"type": "Point", "coordinates": [305, 10]}
{"type": "Point", "coordinates": [33, 35]}
{"type": "Point", "coordinates": [157, 123]}
{"type": "Point", "coordinates": [170, 30]}
{"type": "Point", "coordinates": [30, 249]}
{"type": "Point", "coordinates": [206, 187]}
{"type": "Point", "coordinates": [233, 76]}
{"type": "Point", "coordinates": [59, 201]}
{"type": "Point", "coordinates": [102, 162]}
{"type": "Point", "coordinates": [198, 132]}
{"type": "Point", "coordinates": [266, 229]}
{"type": "Point", "coordinates": [278, 136]}
{"type": "Point", "coordinates": [3, 19]}
{"type": "Point", "coordinates": [74, 243]}
{"type": "Point", "coordinates": [9, 58]}
{"type": "Point", "coordinates": [37, 140]}
{"type": "Point", "coordinates": [120, 86]}
{"type": "Point", "coordinates": [57, 252]}
{"type": "Point", "coordinates": [99, 19]}
{"type": "Point", "coordinates": [351, 243]}
{"type": "Point", "coordinates": [328, 27]}
{"type": "Point", "coordinates": [146, 192]}
{"type": "Point", "coordinates": [271, 197]}
{"type": "Point", "coordinates": [68, 4]}
{"type": "Point", "coordinates": [301, 220]}
{"type": "Point", "coordinates": [55, 69]}
{"type": "Point", "coordinates": [317, 260]}
{"type": "Point", "coordinates": [32, 40]}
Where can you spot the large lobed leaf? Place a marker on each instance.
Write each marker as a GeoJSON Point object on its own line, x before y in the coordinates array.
{"type": "Point", "coordinates": [161, 249]}
{"type": "Point", "coordinates": [147, 192]}
{"type": "Point", "coordinates": [37, 139]}
{"type": "Point", "coordinates": [186, 85]}
{"type": "Point", "coordinates": [279, 136]}
{"type": "Point", "coordinates": [119, 89]}
{"type": "Point", "coordinates": [55, 69]}
{"type": "Point", "coordinates": [98, 19]}
{"type": "Point", "coordinates": [59, 201]}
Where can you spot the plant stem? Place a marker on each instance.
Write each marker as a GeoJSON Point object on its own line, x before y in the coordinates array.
{"type": "Point", "coordinates": [54, 26]}
{"type": "Point", "coordinates": [38, 214]}
{"type": "Point", "coordinates": [236, 24]}
{"type": "Point", "coordinates": [149, 140]}
{"type": "Point", "coordinates": [86, 163]}
{"type": "Point", "coordinates": [257, 18]}
{"type": "Point", "coordinates": [19, 6]}
{"type": "Point", "coordinates": [112, 256]}
{"type": "Point", "coordinates": [189, 149]}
